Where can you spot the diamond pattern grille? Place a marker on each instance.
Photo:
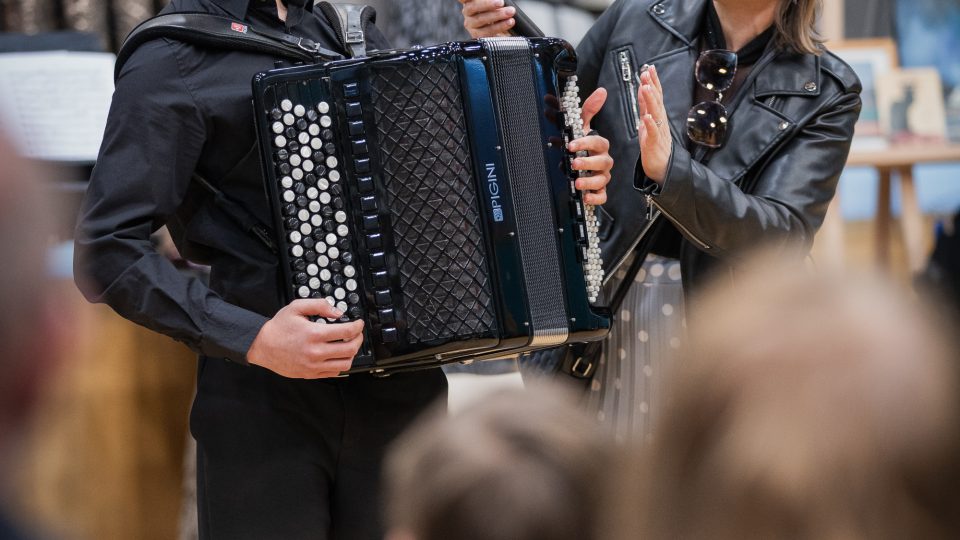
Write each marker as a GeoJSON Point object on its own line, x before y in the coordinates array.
{"type": "Point", "coordinates": [428, 176]}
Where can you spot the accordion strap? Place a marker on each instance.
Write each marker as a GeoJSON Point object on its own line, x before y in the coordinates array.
{"type": "Point", "coordinates": [224, 33]}
{"type": "Point", "coordinates": [348, 21]}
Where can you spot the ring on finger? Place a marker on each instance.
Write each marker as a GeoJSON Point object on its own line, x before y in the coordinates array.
{"type": "Point", "coordinates": [659, 123]}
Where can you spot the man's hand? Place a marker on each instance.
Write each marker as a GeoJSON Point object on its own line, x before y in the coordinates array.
{"type": "Point", "coordinates": [293, 346]}
{"type": "Point", "coordinates": [487, 18]}
{"type": "Point", "coordinates": [599, 161]}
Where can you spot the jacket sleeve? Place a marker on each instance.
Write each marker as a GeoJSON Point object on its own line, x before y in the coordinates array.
{"type": "Point", "coordinates": [154, 135]}
{"type": "Point", "coordinates": [787, 202]}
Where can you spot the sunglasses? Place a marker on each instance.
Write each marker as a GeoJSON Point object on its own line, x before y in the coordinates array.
{"type": "Point", "coordinates": [707, 121]}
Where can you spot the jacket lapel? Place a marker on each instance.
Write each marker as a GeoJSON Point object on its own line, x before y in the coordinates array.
{"type": "Point", "coordinates": [764, 115]}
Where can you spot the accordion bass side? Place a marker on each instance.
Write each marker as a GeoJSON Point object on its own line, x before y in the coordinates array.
{"type": "Point", "coordinates": [430, 193]}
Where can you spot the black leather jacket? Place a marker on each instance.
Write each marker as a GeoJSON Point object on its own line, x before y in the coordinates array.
{"type": "Point", "coordinates": [772, 180]}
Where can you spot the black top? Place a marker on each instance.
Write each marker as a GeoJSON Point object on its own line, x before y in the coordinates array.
{"type": "Point", "coordinates": [180, 108]}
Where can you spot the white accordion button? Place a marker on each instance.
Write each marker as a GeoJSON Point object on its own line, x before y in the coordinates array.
{"type": "Point", "coordinates": [316, 220]}
{"type": "Point", "coordinates": [303, 214]}
{"type": "Point", "coordinates": [314, 207]}
{"type": "Point", "coordinates": [340, 216]}
{"type": "Point", "coordinates": [299, 110]}
{"type": "Point", "coordinates": [286, 105]}
{"type": "Point", "coordinates": [333, 252]}
{"type": "Point", "coordinates": [304, 292]}
{"type": "Point", "coordinates": [323, 107]}
{"type": "Point", "coordinates": [313, 269]}
{"type": "Point", "coordinates": [313, 130]}
{"type": "Point", "coordinates": [325, 121]}
{"type": "Point", "coordinates": [334, 175]}
{"type": "Point", "coordinates": [289, 196]}
{"type": "Point", "coordinates": [295, 237]}
{"type": "Point", "coordinates": [278, 127]}
{"type": "Point", "coordinates": [349, 271]}
{"type": "Point", "coordinates": [325, 274]}
{"type": "Point", "coordinates": [286, 182]}
{"type": "Point", "coordinates": [332, 163]}
{"type": "Point", "coordinates": [280, 141]}
{"type": "Point", "coordinates": [313, 193]}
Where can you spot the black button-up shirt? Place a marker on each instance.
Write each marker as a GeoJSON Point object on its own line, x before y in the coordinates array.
{"type": "Point", "coordinates": [177, 109]}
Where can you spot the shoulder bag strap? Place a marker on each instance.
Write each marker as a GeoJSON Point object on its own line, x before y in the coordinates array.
{"type": "Point", "coordinates": [349, 21]}
{"type": "Point", "coordinates": [224, 33]}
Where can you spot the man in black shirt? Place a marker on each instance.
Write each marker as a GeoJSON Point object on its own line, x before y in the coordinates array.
{"type": "Point", "coordinates": [285, 451]}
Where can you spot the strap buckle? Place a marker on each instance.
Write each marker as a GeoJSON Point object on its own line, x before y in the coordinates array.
{"type": "Point", "coordinates": [581, 369]}
{"type": "Point", "coordinates": [355, 37]}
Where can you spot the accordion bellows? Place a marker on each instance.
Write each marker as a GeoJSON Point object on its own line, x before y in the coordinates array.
{"type": "Point", "coordinates": [429, 193]}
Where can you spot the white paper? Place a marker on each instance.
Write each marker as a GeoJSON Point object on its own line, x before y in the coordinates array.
{"type": "Point", "coordinates": [54, 105]}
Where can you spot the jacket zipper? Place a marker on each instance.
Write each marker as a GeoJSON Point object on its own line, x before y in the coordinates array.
{"type": "Point", "coordinates": [627, 79]}
{"type": "Point", "coordinates": [651, 203]}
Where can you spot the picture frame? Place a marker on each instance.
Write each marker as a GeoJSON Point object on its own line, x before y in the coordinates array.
{"type": "Point", "coordinates": [870, 59]}
{"type": "Point", "coordinates": [911, 106]}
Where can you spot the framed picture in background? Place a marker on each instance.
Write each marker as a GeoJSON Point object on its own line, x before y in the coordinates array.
{"type": "Point", "coordinates": [911, 106]}
{"type": "Point", "coordinates": [871, 59]}
{"type": "Point", "coordinates": [928, 34]}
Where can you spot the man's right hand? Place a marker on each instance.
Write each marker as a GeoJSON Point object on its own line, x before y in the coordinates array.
{"type": "Point", "coordinates": [293, 346]}
{"type": "Point", "coordinates": [487, 18]}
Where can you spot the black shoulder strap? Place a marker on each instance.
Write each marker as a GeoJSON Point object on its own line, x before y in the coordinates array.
{"type": "Point", "coordinates": [224, 33]}
{"type": "Point", "coordinates": [349, 21]}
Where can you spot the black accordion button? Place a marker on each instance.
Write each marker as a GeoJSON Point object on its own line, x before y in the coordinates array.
{"type": "Point", "coordinates": [310, 179]}
{"type": "Point", "coordinates": [329, 225]}
{"type": "Point", "coordinates": [353, 298]}
{"type": "Point", "coordinates": [381, 297]}
{"type": "Point", "coordinates": [303, 201]}
{"type": "Point", "coordinates": [301, 278]}
{"type": "Point", "coordinates": [312, 115]}
{"type": "Point", "coordinates": [337, 266]}
{"type": "Point", "coordinates": [327, 288]}
{"type": "Point", "coordinates": [284, 168]}
{"type": "Point", "coordinates": [326, 134]}
{"type": "Point", "coordinates": [338, 279]}
{"type": "Point", "coordinates": [302, 124]}
{"type": "Point", "coordinates": [371, 222]}
{"type": "Point", "coordinates": [374, 241]}
{"type": "Point", "coordinates": [389, 335]}
{"type": "Point", "coordinates": [387, 316]}
{"type": "Point", "coordinates": [310, 256]}
{"type": "Point", "coordinates": [291, 133]}
{"type": "Point", "coordinates": [299, 265]}
{"type": "Point", "coordinates": [308, 242]}
{"type": "Point", "coordinates": [360, 147]}
{"type": "Point", "coordinates": [336, 190]}
{"type": "Point", "coordinates": [283, 155]}
{"type": "Point", "coordinates": [351, 89]}
{"type": "Point", "coordinates": [353, 109]}
{"type": "Point", "coordinates": [292, 223]}
{"type": "Point", "coordinates": [380, 279]}
{"type": "Point", "coordinates": [355, 128]}
{"type": "Point", "coordinates": [356, 312]}
{"type": "Point", "coordinates": [289, 209]}
{"type": "Point", "coordinates": [368, 204]}
{"type": "Point", "coordinates": [378, 260]}
{"type": "Point", "coordinates": [365, 184]}
{"type": "Point", "coordinates": [362, 166]}
{"type": "Point", "coordinates": [346, 257]}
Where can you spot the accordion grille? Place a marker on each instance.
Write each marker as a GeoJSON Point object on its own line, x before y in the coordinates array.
{"type": "Point", "coordinates": [428, 177]}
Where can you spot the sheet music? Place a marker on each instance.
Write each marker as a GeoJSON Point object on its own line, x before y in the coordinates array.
{"type": "Point", "coordinates": [54, 105]}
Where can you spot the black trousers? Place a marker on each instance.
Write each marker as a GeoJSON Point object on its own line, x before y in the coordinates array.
{"type": "Point", "coordinates": [295, 459]}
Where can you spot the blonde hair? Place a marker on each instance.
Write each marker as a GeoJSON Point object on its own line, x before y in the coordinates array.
{"type": "Point", "coordinates": [796, 24]}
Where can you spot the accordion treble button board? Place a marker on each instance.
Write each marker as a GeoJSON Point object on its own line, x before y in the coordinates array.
{"type": "Point", "coordinates": [319, 248]}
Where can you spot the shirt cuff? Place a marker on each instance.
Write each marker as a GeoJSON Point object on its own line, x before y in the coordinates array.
{"type": "Point", "coordinates": [229, 331]}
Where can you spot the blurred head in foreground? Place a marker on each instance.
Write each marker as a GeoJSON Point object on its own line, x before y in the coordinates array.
{"type": "Point", "coordinates": [519, 465]}
{"type": "Point", "coordinates": [808, 407]}
{"type": "Point", "coordinates": [29, 342]}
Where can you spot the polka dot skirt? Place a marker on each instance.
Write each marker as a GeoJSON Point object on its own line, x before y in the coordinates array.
{"type": "Point", "coordinates": [625, 391]}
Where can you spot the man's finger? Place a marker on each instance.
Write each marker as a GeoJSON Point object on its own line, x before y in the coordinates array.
{"type": "Point", "coordinates": [482, 21]}
{"type": "Point", "coordinates": [593, 144]}
{"type": "Point", "coordinates": [315, 306]}
{"type": "Point", "coordinates": [326, 333]}
{"type": "Point", "coordinates": [602, 162]}
{"type": "Point", "coordinates": [595, 198]}
{"type": "Point", "coordinates": [592, 183]}
{"type": "Point", "coordinates": [592, 105]}
{"type": "Point", "coordinates": [472, 7]}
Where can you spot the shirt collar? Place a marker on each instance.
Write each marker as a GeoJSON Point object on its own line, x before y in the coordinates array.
{"type": "Point", "coordinates": [239, 8]}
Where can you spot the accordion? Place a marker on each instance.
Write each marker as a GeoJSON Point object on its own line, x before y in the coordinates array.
{"type": "Point", "coordinates": [429, 192]}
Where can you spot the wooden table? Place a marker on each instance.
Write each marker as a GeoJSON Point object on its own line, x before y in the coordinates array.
{"type": "Point", "coordinates": [900, 159]}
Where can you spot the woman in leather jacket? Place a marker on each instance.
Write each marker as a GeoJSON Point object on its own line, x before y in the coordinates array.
{"type": "Point", "coordinates": [791, 110]}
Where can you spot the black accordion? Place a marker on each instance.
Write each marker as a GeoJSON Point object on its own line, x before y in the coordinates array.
{"type": "Point", "coordinates": [429, 192]}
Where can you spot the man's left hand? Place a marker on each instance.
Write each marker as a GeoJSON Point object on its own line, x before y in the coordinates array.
{"type": "Point", "coordinates": [598, 162]}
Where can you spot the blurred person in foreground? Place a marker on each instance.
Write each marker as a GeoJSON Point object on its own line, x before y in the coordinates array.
{"type": "Point", "coordinates": [518, 465]}
{"type": "Point", "coordinates": [31, 332]}
{"type": "Point", "coordinates": [806, 407]}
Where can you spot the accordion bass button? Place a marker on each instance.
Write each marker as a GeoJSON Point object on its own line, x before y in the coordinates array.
{"type": "Point", "coordinates": [362, 166]}
{"type": "Point", "coordinates": [360, 146]}
{"type": "Point", "coordinates": [286, 105]}
{"type": "Point", "coordinates": [355, 128]}
{"type": "Point", "coordinates": [374, 241]}
{"type": "Point", "coordinates": [389, 335]}
{"type": "Point", "coordinates": [380, 279]}
{"type": "Point", "coordinates": [365, 184]}
{"type": "Point", "coordinates": [382, 297]}
{"type": "Point", "coordinates": [351, 89]}
{"type": "Point", "coordinates": [368, 204]}
{"type": "Point", "coordinates": [387, 316]}
{"type": "Point", "coordinates": [371, 222]}
{"type": "Point", "coordinates": [354, 109]}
